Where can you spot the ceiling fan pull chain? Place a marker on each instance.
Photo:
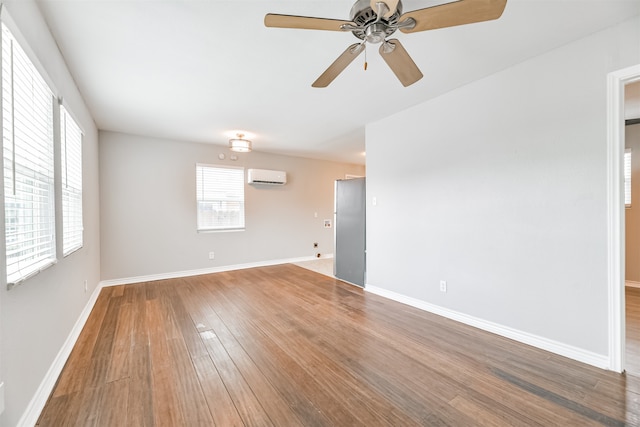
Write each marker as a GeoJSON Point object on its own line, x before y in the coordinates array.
{"type": "Point", "coordinates": [365, 57]}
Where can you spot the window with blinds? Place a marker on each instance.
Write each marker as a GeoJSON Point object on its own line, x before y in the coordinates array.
{"type": "Point", "coordinates": [27, 121]}
{"type": "Point", "coordinates": [220, 198]}
{"type": "Point", "coordinates": [627, 177]}
{"type": "Point", "coordinates": [71, 171]}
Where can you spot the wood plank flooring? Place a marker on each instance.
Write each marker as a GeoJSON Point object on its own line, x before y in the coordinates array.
{"type": "Point", "coordinates": [284, 346]}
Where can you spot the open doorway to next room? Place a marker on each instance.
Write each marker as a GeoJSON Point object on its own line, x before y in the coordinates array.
{"type": "Point", "coordinates": [632, 227]}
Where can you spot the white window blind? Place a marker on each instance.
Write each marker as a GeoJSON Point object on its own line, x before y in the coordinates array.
{"type": "Point", "coordinates": [27, 104]}
{"type": "Point", "coordinates": [220, 198]}
{"type": "Point", "coordinates": [71, 165]}
{"type": "Point", "coordinates": [627, 177]}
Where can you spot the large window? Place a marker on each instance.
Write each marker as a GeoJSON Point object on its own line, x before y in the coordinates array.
{"type": "Point", "coordinates": [27, 125]}
{"type": "Point", "coordinates": [71, 172]}
{"type": "Point", "coordinates": [220, 198]}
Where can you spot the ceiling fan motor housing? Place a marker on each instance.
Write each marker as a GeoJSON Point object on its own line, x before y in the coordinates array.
{"type": "Point", "coordinates": [370, 30]}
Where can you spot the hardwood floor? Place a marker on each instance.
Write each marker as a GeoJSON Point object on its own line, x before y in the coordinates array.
{"type": "Point", "coordinates": [285, 346]}
{"type": "Point", "coordinates": [632, 296]}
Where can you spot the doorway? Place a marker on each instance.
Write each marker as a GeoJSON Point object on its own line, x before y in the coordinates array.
{"type": "Point", "coordinates": [632, 227]}
{"type": "Point", "coordinates": [350, 231]}
{"type": "Point", "coordinates": [616, 82]}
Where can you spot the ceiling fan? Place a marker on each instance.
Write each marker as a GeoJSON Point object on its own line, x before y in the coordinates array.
{"type": "Point", "coordinates": [373, 21]}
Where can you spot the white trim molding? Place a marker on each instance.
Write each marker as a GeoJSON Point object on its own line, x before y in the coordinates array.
{"type": "Point", "coordinates": [32, 413]}
{"type": "Point", "coordinates": [198, 272]}
{"type": "Point", "coordinates": [616, 82]}
{"type": "Point", "coordinates": [581, 355]}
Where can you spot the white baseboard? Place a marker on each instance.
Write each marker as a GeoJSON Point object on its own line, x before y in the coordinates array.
{"type": "Point", "coordinates": [631, 284]}
{"type": "Point", "coordinates": [313, 258]}
{"type": "Point", "coordinates": [32, 413]}
{"type": "Point", "coordinates": [575, 353]}
{"type": "Point", "coordinates": [198, 272]}
{"type": "Point", "coordinates": [1, 397]}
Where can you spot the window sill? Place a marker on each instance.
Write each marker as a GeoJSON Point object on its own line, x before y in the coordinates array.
{"type": "Point", "coordinates": [71, 251]}
{"type": "Point", "coordinates": [38, 268]}
{"type": "Point", "coordinates": [221, 230]}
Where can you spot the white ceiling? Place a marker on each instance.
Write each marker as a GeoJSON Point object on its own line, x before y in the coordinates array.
{"type": "Point", "coordinates": [194, 70]}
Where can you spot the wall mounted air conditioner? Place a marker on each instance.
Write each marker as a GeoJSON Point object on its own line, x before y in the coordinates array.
{"type": "Point", "coordinates": [263, 176]}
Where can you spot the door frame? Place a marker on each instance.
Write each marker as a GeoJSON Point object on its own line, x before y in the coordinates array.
{"type": "Point", "coordinates": [616, 82]}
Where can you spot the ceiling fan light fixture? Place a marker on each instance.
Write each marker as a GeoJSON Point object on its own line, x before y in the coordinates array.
{"type": "Point", "coordinates": [239, 144]}
{"type": "Point", "coordinates": [375, 33]}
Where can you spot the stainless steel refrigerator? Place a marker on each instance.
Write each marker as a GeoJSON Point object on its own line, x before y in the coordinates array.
{"type": "Point", "coordinates": [349, 221]}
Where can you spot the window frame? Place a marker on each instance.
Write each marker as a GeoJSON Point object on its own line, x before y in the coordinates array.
{"type": "Point", "coordinates": [203, 226]}
{"type": "Point", "coordinates": [71, 193]}
{"type": "Point", "coordinates": [35, 168]}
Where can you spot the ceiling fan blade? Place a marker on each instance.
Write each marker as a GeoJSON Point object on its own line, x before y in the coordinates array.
{"type": "Point", "coordinates": [339, 65]}
{"type": "Point", "coordinates": [391, 5]}
{"type": "Point", "coordinates": [400, 62]}
{"type": "Point", "coordinates": [451, 14]}
{"type": "Point", "coordinates": [304, 22]}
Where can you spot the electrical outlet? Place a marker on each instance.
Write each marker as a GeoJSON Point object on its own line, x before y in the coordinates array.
{"type": "Point", "coordinates": [212, 255]}
{"type": "Point", "coordinates": [86, 285]}
{"type": "Point", "coordinates": [443, 286]}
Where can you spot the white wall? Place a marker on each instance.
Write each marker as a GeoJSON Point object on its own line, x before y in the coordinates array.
{"type": "Point", "coordinates": [503, 194]}
{"type": "Point", "coordinates": [632, 214]}
{"type": "Point", "coordinates": [37, 316]}
{"type": "Point", "coordinates": [148, 208]}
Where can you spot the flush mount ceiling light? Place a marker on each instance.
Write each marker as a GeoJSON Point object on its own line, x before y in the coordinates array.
{"type": "Point", "coordinates": [239, 144]}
